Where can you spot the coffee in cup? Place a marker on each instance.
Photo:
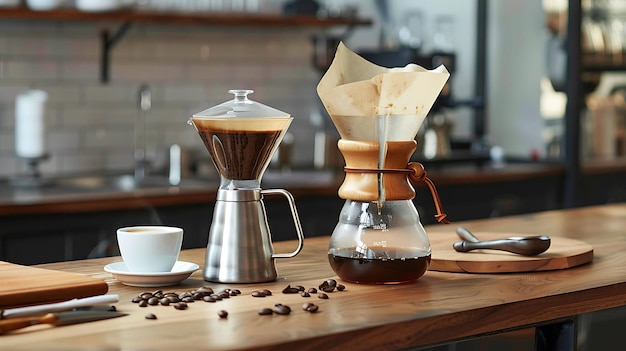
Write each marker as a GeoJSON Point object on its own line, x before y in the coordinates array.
{"type": "Point", "coordinates": [149, 248]}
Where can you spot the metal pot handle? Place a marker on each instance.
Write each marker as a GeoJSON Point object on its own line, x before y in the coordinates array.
{"type": "Point", "coordinates": [296, 220]}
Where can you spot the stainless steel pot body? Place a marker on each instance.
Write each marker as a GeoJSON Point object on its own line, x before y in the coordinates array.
{"type": "Point", "coordinates": [240, 245]}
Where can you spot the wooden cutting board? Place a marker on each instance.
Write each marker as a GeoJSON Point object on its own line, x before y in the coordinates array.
{"type": "Point", "coordinates": [24, 285]}
{"type": "Point", "coordinates": [563, 253]}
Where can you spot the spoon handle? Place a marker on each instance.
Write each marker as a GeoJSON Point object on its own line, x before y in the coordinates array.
{"type": "Point", "coordinates": [503, 245]}
{"type": "Point", "coordinates": [466, 235]}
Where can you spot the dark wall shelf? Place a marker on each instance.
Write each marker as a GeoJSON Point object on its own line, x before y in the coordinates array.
{"type": "Point", "coordinates": [125, 18]}
{"type": "Point", "coordinates": [181, 18]}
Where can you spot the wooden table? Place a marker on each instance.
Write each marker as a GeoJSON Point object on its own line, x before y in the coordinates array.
{"type": "Point", "coordinates": [439, 308]}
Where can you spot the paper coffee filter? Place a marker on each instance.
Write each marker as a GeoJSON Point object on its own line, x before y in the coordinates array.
{"type": "Point", "coordinates": [353, 87]}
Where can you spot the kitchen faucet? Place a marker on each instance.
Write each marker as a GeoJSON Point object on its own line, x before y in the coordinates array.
{"type": "Point", "coordinates": [141, 161]}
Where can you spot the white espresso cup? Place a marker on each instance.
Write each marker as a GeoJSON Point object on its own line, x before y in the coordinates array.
{"type": "Point", "coordinates": [149, 248]}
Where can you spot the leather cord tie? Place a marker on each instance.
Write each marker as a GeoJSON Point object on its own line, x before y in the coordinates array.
{"type": "Point", "coordinates": [416, 173]}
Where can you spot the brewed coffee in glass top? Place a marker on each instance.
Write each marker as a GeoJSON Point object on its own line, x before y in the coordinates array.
{"type": "Point", "coordinates": [241, 136]}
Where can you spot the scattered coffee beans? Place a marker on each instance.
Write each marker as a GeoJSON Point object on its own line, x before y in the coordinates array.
{"type": "Point", "coordinates": [207, 294]}
{"type": "Point", "coordinates": [181, 301]}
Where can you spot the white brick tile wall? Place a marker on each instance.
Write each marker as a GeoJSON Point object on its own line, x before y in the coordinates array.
{"type": "Point", "coordinates": [188, 68]}
{"type": "Point", "coordinates": [32, 69]}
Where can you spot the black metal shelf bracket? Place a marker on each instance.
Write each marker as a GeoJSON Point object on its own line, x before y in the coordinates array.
{"type": "Point", "coordinates": [108, 42]}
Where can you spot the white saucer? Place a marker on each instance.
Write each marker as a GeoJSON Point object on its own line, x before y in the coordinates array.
{"type": "Point", "coordinates": [181, 271]}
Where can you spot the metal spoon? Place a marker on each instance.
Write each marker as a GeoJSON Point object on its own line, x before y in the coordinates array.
{"type": "Point", "coordinates": [523, 245]}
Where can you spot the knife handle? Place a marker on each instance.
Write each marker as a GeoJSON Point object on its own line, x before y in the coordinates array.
{"type": "Point", "coordinates": [10, 324]}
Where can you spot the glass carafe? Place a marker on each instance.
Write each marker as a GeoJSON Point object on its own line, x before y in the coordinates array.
{"type": "Point", "coordinates": [379, 238]}
{"type": "Point", "coordinates": [379, 244]}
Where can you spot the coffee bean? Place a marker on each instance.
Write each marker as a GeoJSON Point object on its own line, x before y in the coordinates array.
{"type": "Point", "coordinates": [172, 298]}
{"type": "Point", "coordinates": [216, 297]}
{"type": "Point", "coordinates": [328, 289]}
{"type": "Point", "coordinates": [265, 311]}
{"type": "Point", "coordinates": [205, 289]}
{"type": "Point", "coordinates": [208, 299]}
{"type": "Point", "coordinates": [143, 303]}
{"type": "Point", "coordinates": [290, 290]}
{"type": "Point", "coordinates": [312, 291]}
{"type": "Point", "coordinates": [258, 293]}
{"type": "Point", "coordinates": [197, 296]}
{"type": "Point", "coordinates": [266, 292]}
{"type": "Point", "coordinates": [341, 287]}
{"type": "Point", "coordinates": [157, 293]}
{"type": "Point", "coordinates": [150, 316]}
{"type": "Point", "coordinates": [305, 294]}
{"type": "Point", "coordinates": [145, 295]}
{"type": "Point", "coordinates": [164, 301]}
{"type": "Point", "coordinates": [322, 296]}
{"type": "Point", "coordinates": [222, 314]}
{"type": "Point", "coordinates": [237, 291]}
{"type": "Point", "coordinates": [187, 299]}
{"type": "Point", "coordinates": [312, 308]}
{"type": "Point", "coordinates": [299, 287]}
{"type": "Point", "coordinates": [328, 283]}
{"type": "Point", "coordinates": [282, 309]}
{"type": "Point", "coordinates": [153, 301]}
{"type": "Point", "coordinates": [181, 305]}
{"type": "Point", "coordinates": [137, 299]}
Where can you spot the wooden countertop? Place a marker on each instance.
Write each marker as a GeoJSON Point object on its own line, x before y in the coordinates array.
{"type": "Point", "coordinates": [439, 307]}
{"type": "Point", "coordinates": [64, 199]}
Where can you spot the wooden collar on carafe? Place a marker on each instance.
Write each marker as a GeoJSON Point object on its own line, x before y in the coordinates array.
{"type": "Point", "coordinates": [414, 170]}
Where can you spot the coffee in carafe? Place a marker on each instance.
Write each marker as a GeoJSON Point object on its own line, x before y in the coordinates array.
{"type": "Point", "coordinates": [241, 136]}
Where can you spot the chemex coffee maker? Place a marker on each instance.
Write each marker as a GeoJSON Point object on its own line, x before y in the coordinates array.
{"type": "Point", "coordinates": [242, 135]}
{"type": "Point", "coordinates": [379, 238]}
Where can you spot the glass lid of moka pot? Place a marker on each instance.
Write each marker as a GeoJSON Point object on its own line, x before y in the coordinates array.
{"type": "Point", "coordinates": [241, 135]}
{"type": "Point", "coordinates": [241, 107]}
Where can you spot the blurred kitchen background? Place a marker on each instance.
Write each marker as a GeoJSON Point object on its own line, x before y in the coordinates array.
{"type": "Point", "coordinates": [90, 124]}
